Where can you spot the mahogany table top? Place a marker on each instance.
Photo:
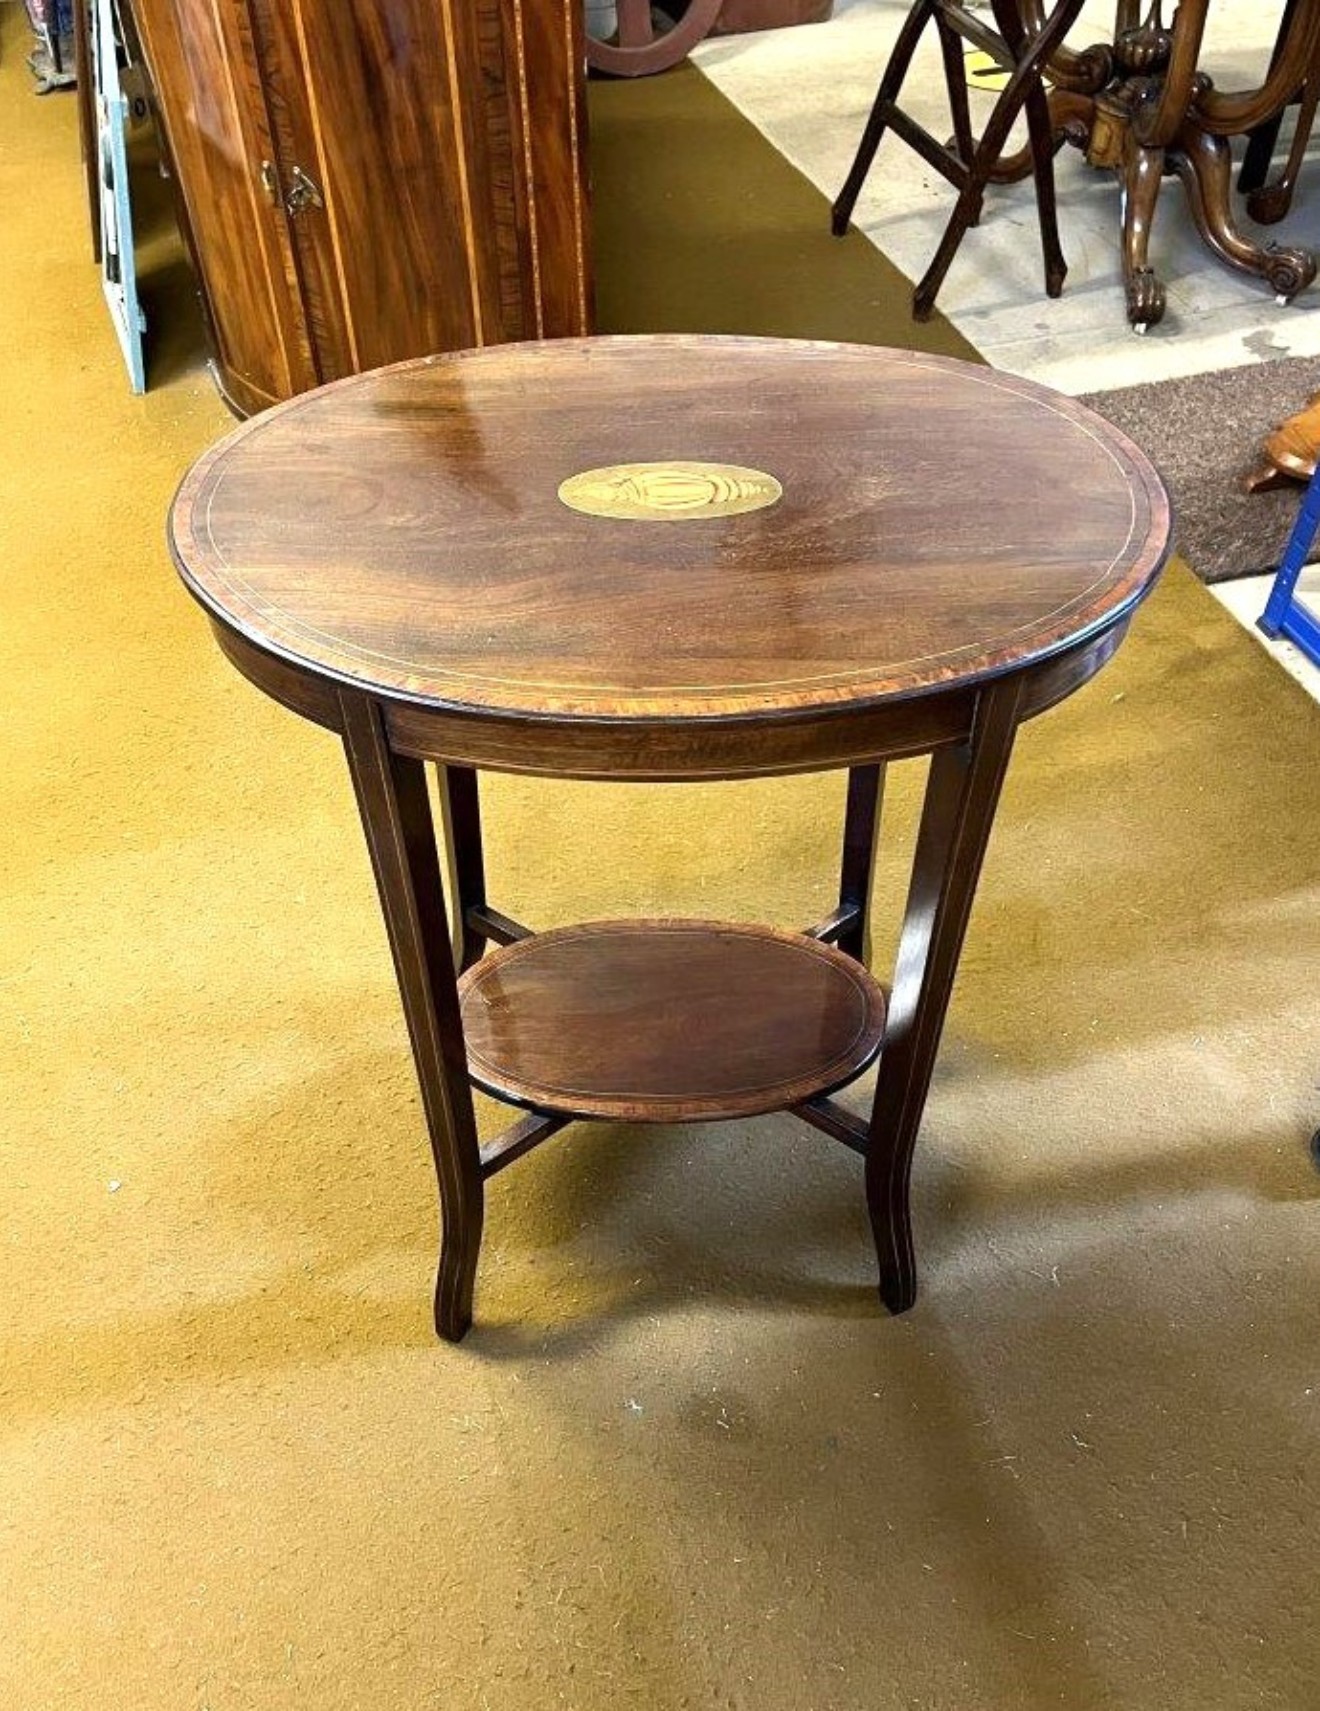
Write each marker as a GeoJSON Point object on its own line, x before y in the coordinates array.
{"type": "Point", "coordinates": [830, 526]}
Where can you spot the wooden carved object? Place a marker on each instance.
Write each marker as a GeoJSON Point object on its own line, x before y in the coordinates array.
{"type": "Point", "coordinates": [1157, 114]}
{"type": "Point", "coordinates": [1024, 41]}
{"type": "Point", "coordinates": [647, 40]}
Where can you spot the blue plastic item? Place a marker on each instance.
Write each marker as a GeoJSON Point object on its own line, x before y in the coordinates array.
{"type": "Point", "coordinates": [1284, 614]}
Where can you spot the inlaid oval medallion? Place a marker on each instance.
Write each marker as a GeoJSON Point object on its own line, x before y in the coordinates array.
{"type": "Point", "coordinates": [670, 492]}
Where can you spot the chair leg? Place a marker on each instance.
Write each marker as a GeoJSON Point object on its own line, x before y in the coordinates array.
{"type": "Point", "coordinates": [967, 209]}
{"type": "Point", "coordinates": [955, 81]}
{"type": "Point", "coordinates": [1271, 202]}
{"type": "Point", "coordinates": [1020, 86]}
{"type": "Point", "coordinates": [1262, 141]}
{"type": "Point", "coordinates": [966, 214]}
{"type": "Point", "coordinates": [1042, 154]}
{"type": "Point", "coordinates": [886, 95]}
{"type": "Point", "coordinates": [1040, 131]}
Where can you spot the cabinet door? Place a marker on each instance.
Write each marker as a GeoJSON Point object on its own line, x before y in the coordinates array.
{"type": "Point", "coordinates": [549, 53]}
{"type": "Point", "coordinates": [298, 175]}
{"type": "Point", "coordinates": [444, 141]}
{"type": "Point", "coordinates": [379, 82]}
{"type": "Point", "coordinates": [522, 66]}
{"type": "Point", "coordinates": [201, 57]}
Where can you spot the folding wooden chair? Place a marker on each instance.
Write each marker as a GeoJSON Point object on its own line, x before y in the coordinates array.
{"type": "Point", "coordinates": [1023, 43]}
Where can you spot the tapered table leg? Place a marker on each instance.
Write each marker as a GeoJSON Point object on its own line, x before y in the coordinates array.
{"type": "Point", "coordinates": [460, 808]}
{"type": "Point", "coordinates": [961, 796]}
{"type": "Point", "coordinates": [866, 785]}
{"type": "Point", "coordinates": [396, 816]}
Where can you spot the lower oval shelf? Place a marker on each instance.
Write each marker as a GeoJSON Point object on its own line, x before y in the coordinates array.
{"type": "Point", "coordinates": [668, 1021]}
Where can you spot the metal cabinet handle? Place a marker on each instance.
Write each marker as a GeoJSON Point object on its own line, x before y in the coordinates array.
{"type": "Point", "coordinates": [302, 193]}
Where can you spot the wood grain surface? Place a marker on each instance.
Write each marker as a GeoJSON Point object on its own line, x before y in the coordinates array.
{"type": "Point", "coordinates": [444, 145]}
{"type": "Point", "coordinates": [668, 1021]}
{"type": "Point", "coordinates": [945, 552]}
{"type": "Point", "coordinates": [206, 75]}
{"type": "Point", "coordinates": [402, 532]}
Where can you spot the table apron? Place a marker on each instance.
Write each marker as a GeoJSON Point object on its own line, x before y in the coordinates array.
{"type": "Point", "coordinates": [677, 751]}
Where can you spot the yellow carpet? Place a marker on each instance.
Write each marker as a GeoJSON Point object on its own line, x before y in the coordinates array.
{"type": "Point", "coordinates": [683, 1460]}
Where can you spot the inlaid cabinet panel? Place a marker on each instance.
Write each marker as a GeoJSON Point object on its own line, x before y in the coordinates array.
{"type": "Point", "coordinates": [202, 60]}
{"type": "Point", "coordinates": [290, 108]}
{"type": "Point", "coordinates": [369, 180]}
{"type": "Point", "coordinates": [391, 168]}
{"type": "Point", "coordinates": [550, 35]}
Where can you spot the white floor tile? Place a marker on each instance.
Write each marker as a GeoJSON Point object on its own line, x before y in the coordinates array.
{"type": "Point", "coordinates": [1246, 598]}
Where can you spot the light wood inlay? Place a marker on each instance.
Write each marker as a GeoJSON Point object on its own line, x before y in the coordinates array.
{"type": "Point", "coordinates": [529, 165]}
{"type": "Point", "coordinates": [574, 52]}
{"type": "Point", "coordinates": [460, 155]}
{"type": "Point", "coordinates": [669, 492]}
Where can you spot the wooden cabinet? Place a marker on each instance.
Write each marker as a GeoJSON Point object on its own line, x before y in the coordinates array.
{"type": "Point", "coordinates": [369, 180]}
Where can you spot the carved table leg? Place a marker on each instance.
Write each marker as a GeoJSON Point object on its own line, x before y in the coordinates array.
{"type": "Point", "coordinates": [961, 795]}
{"type": "Point", "coordinates": [396, 817]}
{"type": "Point", "coordinates": [1205, 165]}
{"type": "Point", "coordinates": [1140, 177]}
{"type": "Point", "coordinates": [1070, 116]}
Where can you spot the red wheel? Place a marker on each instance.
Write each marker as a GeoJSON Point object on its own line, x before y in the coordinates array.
{"type": "Point", "coordinates": [644, 44]}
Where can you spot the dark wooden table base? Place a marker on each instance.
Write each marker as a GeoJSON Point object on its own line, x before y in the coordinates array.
{"type": "Point", "coordinates": [670, 1021]}
{"type": "Point", "coordinates": [962, 793]}
{"type": "Point", "coordinates": [1141, 108]}
{"type": "Point", "coordinates": [661, 560]}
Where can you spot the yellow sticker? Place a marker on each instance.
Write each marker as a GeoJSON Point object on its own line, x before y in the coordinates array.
{"type": "Point", "coordinates": [983, 71]}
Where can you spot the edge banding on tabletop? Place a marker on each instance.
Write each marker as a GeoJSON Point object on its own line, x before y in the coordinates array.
{"type": "Point", "coordinates": [831, 534]}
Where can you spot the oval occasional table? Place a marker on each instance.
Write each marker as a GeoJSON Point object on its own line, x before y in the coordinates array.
{"type": "Point", "coordinates": [661, 559]}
